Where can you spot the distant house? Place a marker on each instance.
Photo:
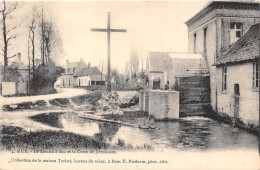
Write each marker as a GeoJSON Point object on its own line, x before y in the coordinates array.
{"type": "Point", "coordinates": [186, 65]}
{"type": "Point", "coordinates": [165, 68]}
{"type": "Point", "coordinates": [90, 76]}
{"type": "Point", "coordinates": [71, 68]}
{"type": "Point", "coordinates": [237, 78]}
{"type": "Point", "coordinates": [155, 67]}
{"type": "Point", "coordinates": [190, 76]}
{"type": "Point", "coordinates": [15, 78]}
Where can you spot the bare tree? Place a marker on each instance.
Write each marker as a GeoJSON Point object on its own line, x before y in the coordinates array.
{"type": "Point", "coordinates": [7, 33]}
{"type": "Point", "coordinates": [52, 40]}
{"type": "Point", "coordinates": [134, 63]}
{"type": "Point", "coordinates": [32, 27]}
{"type": "Point", "coordinates": [42, 39]}
{"type": "Point", "coordinates": [51, 43]}
{"type": "Point", "coordinates": [29, 61]}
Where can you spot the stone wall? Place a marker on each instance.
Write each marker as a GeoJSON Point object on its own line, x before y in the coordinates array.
{"type": "Point", "coordinates": [144, 100]}
{"type": "Point", "coordinates": [248, 99]}
{"type": "Point", "coordinates": [164, 104]}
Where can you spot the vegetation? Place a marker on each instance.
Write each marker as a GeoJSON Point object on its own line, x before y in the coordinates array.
{"type": "Point", "coordinates": [16, 138]}
{"type": "Point", "coordinates": [45, 77]}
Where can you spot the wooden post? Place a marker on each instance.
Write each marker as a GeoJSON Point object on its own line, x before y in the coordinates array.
{"type": "Point", "coordinates": [108, 30]}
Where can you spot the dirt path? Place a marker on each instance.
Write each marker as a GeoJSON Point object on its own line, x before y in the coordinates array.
{"type": "Point", "coordinates": [63, 93]}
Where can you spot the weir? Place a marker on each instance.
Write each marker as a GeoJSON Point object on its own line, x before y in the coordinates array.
{"type": "Point", "coordinates": [160, 104]}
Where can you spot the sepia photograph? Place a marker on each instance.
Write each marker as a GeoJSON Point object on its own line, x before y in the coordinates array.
{"type": "Point", "coordinates": [129, 84]}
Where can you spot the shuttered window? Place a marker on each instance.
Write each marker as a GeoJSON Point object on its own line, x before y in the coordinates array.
{"type": "Point", "coordinates": [224, 79]}
{"type": "Point", "coordinates": [255, 76]}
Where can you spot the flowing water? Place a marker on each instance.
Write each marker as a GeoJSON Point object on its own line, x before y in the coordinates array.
{"type": "Point", "coordinates": [193, 133]}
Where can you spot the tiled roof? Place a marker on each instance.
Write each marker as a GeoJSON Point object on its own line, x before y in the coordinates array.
{"type": "Point", "coordinates": [156, 61]}
{"type": "Point", "coordinates": [188, 67]}
{"type": "Point", "coordinates": [245, 49]}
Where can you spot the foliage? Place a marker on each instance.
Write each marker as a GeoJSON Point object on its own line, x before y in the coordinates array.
{"type": "Point", "coordinates": [45, 77]}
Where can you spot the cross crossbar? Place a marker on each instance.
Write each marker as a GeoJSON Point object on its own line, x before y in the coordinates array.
{"type": "Point", "coordinates": [106, 30]}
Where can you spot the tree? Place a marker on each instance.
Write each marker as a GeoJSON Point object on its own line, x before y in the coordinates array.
{"type": "Point", "coordinates": [116, 76]}
{"type": "Point", "coordinates": [45, 77]}
{"type": "Point", "coordinates": [32, 27]}
{"type": "Point", "coordinates": [134, 63]}
{"type": "Point", "coordinates": [51, 43]}
{"type": "Point", "coordinates": [52, 40]}
{"type": "Point", "coordinates": [7, 32]}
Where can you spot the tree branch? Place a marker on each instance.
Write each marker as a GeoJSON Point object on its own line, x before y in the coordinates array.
{"type": "Point", "coordinates": [12, 56]}
{"type": "Point", "coordinates": [12, 37]}
{"type": "Point", "coordinates": [11, 10]}
{"type": "Point", "coordinates": [10, 30]}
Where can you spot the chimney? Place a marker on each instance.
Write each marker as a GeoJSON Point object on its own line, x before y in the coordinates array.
{"type": "Point", "coordinates": [67, 61]}
{"type": "Point", "coordinates": [19, 56]}
{"type": "Point", "coordinates": [89, 64]}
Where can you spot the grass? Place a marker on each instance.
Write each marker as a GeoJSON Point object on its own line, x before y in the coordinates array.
{"type": "Point", "coordinates": [15, 137]}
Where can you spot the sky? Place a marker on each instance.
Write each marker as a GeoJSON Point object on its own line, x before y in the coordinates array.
{"type": "Point", "coordinates": [151, 26]}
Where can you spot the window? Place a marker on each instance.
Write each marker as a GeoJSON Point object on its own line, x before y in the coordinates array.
{"type": "Point", "coordinates": [235, 32]}
{"type": "Point", "coordinates": [224, 79]}
{"type": "Point", "coordinates": [74, 69]}
{"type": "Point", "coordinates": [194, 39]}
{"type": "Point", "coordinates": [68, 70]}
{"type": "Point", "coordinates": [205, 39]}
{"type": "Point", "coordinates": [255, 76]}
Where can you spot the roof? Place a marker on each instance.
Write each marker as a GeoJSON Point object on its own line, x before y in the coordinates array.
{"type": "Point", "coordinates": [189, 65]}
{"type": "Point", "coordinates": [97, 77]}
{"type": "Point", "coordinates": [245, 49]}
{"type": "Point", "coordinates": [186, 55]}
{"type": "Point", "coordinates": [93, 72]}
{"type": "Point", "coordinates": [156, 61]}
{"type": "Point", "coordinates": [210, 6]}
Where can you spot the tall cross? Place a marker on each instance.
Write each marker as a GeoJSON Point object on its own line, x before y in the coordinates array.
{"type": "Point", "coordinates": [108, 30]}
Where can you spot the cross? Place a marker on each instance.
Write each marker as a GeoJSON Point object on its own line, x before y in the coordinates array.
{"type": "Point", "coordinates": [108, 30]}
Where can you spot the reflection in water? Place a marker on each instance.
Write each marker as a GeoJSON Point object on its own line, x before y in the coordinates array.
{"type": "Point", "coordinates": [72, 123]}
{"type": "Point", "coordinates": [186, 133]}
{"type": "Point", "coordinates": [108, 130]}
{"type": "Point", "coordinates": [51, 119]}
{"type": "Point", "coordinates": [194, 133]}
{"type": "Point", "coordinates": [134, 136]}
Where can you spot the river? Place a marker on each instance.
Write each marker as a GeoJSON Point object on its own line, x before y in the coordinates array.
{"type": "Point", "coordinates": [192, 133]}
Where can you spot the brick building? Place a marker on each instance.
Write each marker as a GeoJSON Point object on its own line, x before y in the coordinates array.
{"type": "Point", "coordinates": [215, 28]}
{"type": "Point", "coordinates": [237, 72]}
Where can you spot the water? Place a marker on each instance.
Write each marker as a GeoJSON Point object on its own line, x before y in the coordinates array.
{"type": "Point", "coordinates": [192, 133]}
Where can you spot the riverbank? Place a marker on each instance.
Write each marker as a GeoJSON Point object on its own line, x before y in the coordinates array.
{"type": "Point", "coordinates": [236, 122]}
{"type": "Point", "coordinates": [13, 138]}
